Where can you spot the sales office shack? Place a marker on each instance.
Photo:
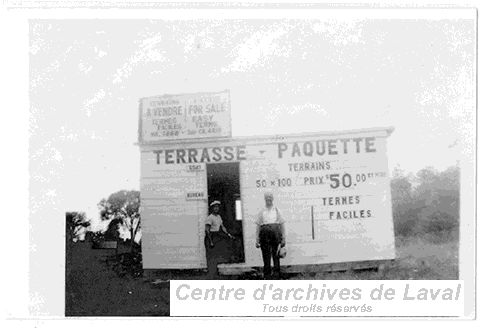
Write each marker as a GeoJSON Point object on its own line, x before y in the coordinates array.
{"type": "Point", "coordinates": [332, 188]}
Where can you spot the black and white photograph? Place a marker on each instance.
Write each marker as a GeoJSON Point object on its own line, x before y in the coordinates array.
{"type": "Point", "coordinates": [235, 142]}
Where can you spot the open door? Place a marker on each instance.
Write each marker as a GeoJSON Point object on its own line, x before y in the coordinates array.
{"type": "Point", "coordinates": [224, 185]}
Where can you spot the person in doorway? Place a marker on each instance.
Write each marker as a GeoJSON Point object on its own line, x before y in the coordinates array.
{"type": "Point", "coordinates": [270, 236]}
{"type": "Point", "coordinates": [216, 248]}
{"type": "Point", "coordinates": [214, 224]}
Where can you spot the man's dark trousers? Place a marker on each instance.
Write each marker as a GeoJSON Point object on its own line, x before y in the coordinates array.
{"type": "Point", "coordinates": [270, 238]}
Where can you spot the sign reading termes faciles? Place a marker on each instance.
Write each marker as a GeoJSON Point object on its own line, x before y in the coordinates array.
{"type": "Point", "coordinates": [185, 116]}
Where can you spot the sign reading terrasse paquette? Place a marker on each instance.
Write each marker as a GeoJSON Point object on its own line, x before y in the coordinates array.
{"type": "Point", "coordinates": [185, 116]}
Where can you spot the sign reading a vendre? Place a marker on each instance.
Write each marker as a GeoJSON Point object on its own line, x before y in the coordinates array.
{"type": "Point", "coordinates": [185, 116]}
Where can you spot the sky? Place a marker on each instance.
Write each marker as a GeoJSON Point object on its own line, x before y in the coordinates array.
{"type": "Point", "coordinates": [284, 76]}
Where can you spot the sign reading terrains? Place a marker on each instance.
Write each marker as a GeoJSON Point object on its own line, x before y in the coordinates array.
{"type": "Point", "coordinates": [185, 116]}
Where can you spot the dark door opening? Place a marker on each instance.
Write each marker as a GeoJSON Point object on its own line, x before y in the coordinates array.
{"type": "Point", "coordinates": [223, 180]}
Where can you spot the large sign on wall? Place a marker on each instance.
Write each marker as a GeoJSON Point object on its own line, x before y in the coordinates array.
{"type": "Point", "coordinates": [185, 116]}
{"type": "Point", "coordinates": [334, 192]}
{"type": "Point", "coordinates": [332, 188]}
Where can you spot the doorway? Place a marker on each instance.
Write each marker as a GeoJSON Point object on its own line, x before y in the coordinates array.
{"type": "Point", "coordinates": [223, 183]}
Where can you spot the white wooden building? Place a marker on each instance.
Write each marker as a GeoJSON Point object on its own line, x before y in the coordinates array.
{"type": "Point", "coordinates": [332, 188]}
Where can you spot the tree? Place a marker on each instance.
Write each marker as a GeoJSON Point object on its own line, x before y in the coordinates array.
{"type": "Point", "coordinates": [427, 203]}
{"type": "Point", "coordinates": [440, 194]}
{"type": "Point", "coordinates": [113, 230]}
{"type": "Point", "coordinates": [76, 222]}
{"type": "Point", "coordinates": [123, 207]}
{"type": "Point", "coordinates": [405, 211]}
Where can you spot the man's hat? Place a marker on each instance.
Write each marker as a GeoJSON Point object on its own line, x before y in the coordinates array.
{"type": "Point", "coordinates": [215, 203]}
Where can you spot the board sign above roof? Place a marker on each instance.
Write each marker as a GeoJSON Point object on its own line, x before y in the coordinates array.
{"type": "Point", "coordinates": [185, 117]}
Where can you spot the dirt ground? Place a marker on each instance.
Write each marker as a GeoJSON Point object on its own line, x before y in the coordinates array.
{"type": "Point", "coordinates": [97, 283]}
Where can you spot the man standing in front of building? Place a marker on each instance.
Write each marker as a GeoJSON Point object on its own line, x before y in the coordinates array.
{"type": "Point", "coordinates": [270, 236]}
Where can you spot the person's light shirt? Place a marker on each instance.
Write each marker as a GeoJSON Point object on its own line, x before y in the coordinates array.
{"type": "Point", "coordinates": [215, 221]}
{"type": "Point", "coordinates": [269, 216]}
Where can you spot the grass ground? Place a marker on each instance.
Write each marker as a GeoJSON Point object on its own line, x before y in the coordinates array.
{"type": "Point", "coordinates": [417, 259]}
{"type": "Point", "coordinates": [96, 286]}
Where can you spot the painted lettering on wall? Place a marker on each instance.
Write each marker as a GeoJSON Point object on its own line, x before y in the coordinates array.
{"type": "Point", "coordinates": [327, 147]}
{"type": "Point", "coordinates": [200, 155]}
